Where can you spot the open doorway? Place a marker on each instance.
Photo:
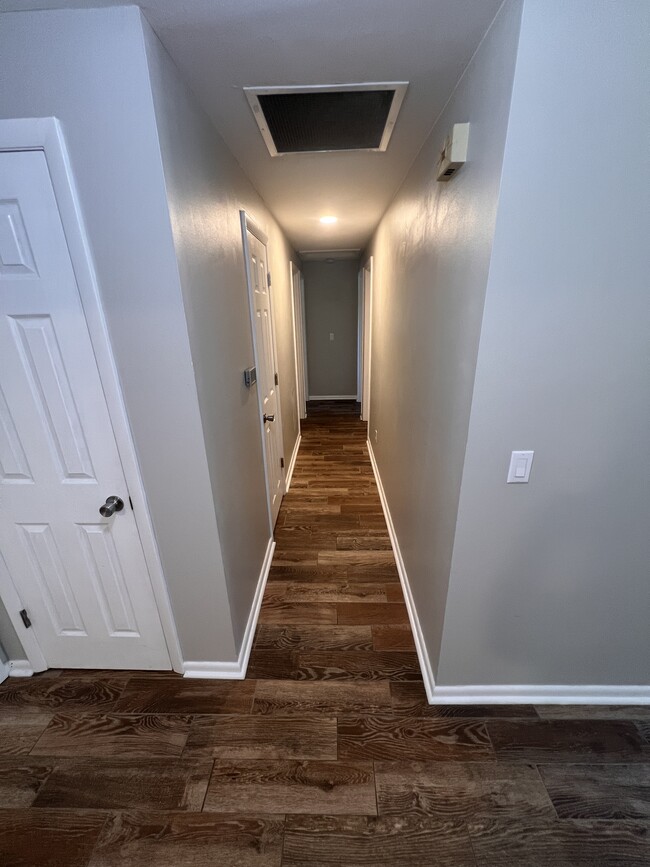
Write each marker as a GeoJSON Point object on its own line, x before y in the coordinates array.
{"type": "Point", "coordinates": [331, 305]}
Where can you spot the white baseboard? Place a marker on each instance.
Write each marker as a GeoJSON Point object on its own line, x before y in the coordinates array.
{"type": "Point", "coordinates": [20, 668]}
{"type": "Point", "coordinates": [332, 397]}
{"type": "Point", "coordinates": [532, 694]}
{"type": "Point", "coordinates": [423, 656]}
{"type": "Point", "coordinates": [236, 670]}
{"type": "Point", "coordinates": [292, 464]}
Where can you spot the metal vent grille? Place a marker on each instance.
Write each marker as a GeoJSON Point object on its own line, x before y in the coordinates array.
{"type": "Point", "coordinates": [341, 118]}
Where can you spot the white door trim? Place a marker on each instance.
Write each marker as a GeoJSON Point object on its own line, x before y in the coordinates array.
{"type": "Point", "coordinates": [367, 338]}
{"type": "Point", "coordinates": [297, 314]}
{"type": "Point", "coordinates": [45, 134]}
{"type": "Point", "coordinates": [248, 224]}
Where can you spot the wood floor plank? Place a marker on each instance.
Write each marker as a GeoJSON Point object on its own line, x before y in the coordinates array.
{"type": "Point", "coordinates": [552, 843]}
{"type": "Point", "coordinates": [185, 696]}
{"type": "Point", "coordinates": [20, 781]}
{"type": "Point", "coordinates": [410, 699]}
{"type": "Point", "coordinates": [387, 737]}
{"type": "Point", "coordinates": [334, 788]}
{"type": "Point", "coordinates": [316, 613]}
{"type": "Point", "coordinates": [118, 784]}
{"type": "Point", "coordinates": [356, 558]}
{"type": "Point", "coordinates": [392, 637]}
{"type": "Point", "coordinates": [599, 711]}
{"type": "Point", "coordinates": [572, 741]}
{"type": "Point", "coordinates": [461, 791]}
{"type": "Point", "coordinates": [327, 591]}
{"type": "Point", "coordinates": [108, 735]}
{"type": "Point", "coordinates": [163, 839]}
{"type": "Point", "coordinates": [275, 664]}
{"type": "Point", "coordinates": [371, 613]}
{"type": "Point", "coordinates": [357, 665]}
{"type": "Point", "coordinates": [60, 693]}
{"type": "Point", "coordinates": [365, 540]}
{"type": "Point", "coordinates": [329, 698]}
{"type": "Point", "coordinates": [386, 841]}
{"type": "Point", "coordinates": [598, 791]}
{"type": "Point", "coordinates": [270, 637]}
{"type": "Point", "coordinates": [259, 737]}
{"type": "Point", "coordinates": [20, 728]}
{"type": "Point", "coordinates": [48, 838]}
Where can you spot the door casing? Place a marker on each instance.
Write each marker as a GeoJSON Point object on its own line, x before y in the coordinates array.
{"type": "Point", "coordinates": [366, 337]}
{"type": "Point", "coordinates": [45, 134]}
{"type": "Point", "coordinates": [299, 341]}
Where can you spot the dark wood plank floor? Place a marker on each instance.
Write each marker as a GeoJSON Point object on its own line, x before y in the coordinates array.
{"type": "Point", "coordinates": [328, 753]}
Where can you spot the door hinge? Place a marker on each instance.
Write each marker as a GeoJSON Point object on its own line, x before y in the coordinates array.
{"type": "Point", "coordinates": [277, 379]}
{"type": "Point", "coordinates": [25, 618]}
{"type": "Point", "coordinates": [282, 463]}
{"type": "Point", "coordinates": [131, 503]}
{"type": "Point", "coordinates": [268, 279]}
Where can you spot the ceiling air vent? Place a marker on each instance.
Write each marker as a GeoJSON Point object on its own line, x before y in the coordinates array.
{"type": "Point", "coordinates": [321, 118]}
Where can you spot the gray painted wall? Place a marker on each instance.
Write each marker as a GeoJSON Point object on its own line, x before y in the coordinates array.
{"type": "Point", "coordinates": [331, 306]}
{"type": "Point", "coordinates": [431, 260]}
{"type": "Point", "coordinates": [550, 580]}
{"type": "Point", "coordinates": [89, 69]}
{"type": "Point", "coordinates": [206, 189]}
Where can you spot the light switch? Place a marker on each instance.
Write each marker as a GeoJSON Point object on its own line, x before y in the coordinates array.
{"type": "Point", "coordinates": [519, 470]}
{"type": "Point", "coordinates": [331, 335]}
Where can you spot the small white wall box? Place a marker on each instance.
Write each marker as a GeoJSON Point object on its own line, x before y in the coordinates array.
{"type": "Point", "coordinates": [454, 152]}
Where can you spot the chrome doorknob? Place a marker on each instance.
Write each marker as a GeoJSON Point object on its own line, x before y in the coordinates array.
{"type": "Point", "coordinates": [268, 418]}
{"type": "Point", "coordinates": [112, 504]}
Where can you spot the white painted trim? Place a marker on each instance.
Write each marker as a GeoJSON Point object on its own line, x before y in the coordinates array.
{"type": "Point", "coordinates": [253, 93]}
{"type": "Point", "coordinates": [332, 397]}
{"type": "Point", "coordinates": [20, 668]}
{"type": "Point", "coordinates": [368, 268]}
{"type": "Point", "coordinates": [298, 322]}
{"type": "Point", "coordinates": [534, 694]}
{"type": "Point", "coordinates": [237, 670]}
{"type": "Point", "coordinates": [423, 656]}
{"type": "Point", "coordinates": [45, 134]}
{"type": "Point", "coordinates": [292, 462]}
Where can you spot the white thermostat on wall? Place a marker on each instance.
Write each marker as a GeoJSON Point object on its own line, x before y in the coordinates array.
{"type": "Point", "coordinates": [454, 152]}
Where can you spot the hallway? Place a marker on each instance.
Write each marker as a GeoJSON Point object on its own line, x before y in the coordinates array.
{"type": "Point", "coordinates": [328, 753]}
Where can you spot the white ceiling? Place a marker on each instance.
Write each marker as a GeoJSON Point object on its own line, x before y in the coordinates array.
{"type": "Point", "coordinates": [221, 46]}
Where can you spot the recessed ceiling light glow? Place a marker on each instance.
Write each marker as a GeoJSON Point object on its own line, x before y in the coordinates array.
{"type": "Point", "coordinates": [328, 220]}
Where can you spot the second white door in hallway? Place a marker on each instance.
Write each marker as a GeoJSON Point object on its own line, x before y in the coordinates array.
{"type": "Point", "coordinates": [259, 291]}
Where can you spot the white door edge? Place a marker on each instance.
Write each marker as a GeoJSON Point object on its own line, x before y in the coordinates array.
{"type": "Point", "coordinates": [248, 224]}
{"type": "Point", "coordinates": [367, 339]}
{"type": "Point", "coordinates": [45, 134]}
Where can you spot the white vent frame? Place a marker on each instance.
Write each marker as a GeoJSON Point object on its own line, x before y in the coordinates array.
{"type": "Point", "coordinates": [252, 94]}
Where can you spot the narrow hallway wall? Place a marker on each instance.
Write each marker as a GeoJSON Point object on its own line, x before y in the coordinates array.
{"type": "Point", "coordinates": [206, 189]}
{"type": "Point", "coordinates": [431, 259]}
{"type": "Point", "coordinates": [549, 583]}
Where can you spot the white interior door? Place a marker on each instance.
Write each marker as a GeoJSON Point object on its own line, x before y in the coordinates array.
{"type": "Point", "coordinates": [81, 577]}
{"type": "Point", "coordinates": [260, 298]}
{"type": "Point", "coordinates": [299, 340]}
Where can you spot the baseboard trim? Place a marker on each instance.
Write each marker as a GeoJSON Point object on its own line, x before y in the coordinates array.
{"type": "Point", "coordinates": [292, 464]}
{"type": "Point", "coordinates": [536, 694]}
{"type": "Point", "coordinates": [332, 397]}
{"type": "Point", "coordinates": [20, 668]}
{"type": "Point", "coordinates": [423, 656]}
{"type": "Point", "coordinates": [237, 670]}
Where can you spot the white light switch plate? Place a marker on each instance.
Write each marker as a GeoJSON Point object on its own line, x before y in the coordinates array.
{"type": "Point", "coordinates": [519, 469]}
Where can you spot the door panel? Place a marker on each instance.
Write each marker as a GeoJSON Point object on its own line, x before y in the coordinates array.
{"type": "Point", "coordinates": [266, 369]}
{"type": "Point", "coordinates": [82, 578]}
